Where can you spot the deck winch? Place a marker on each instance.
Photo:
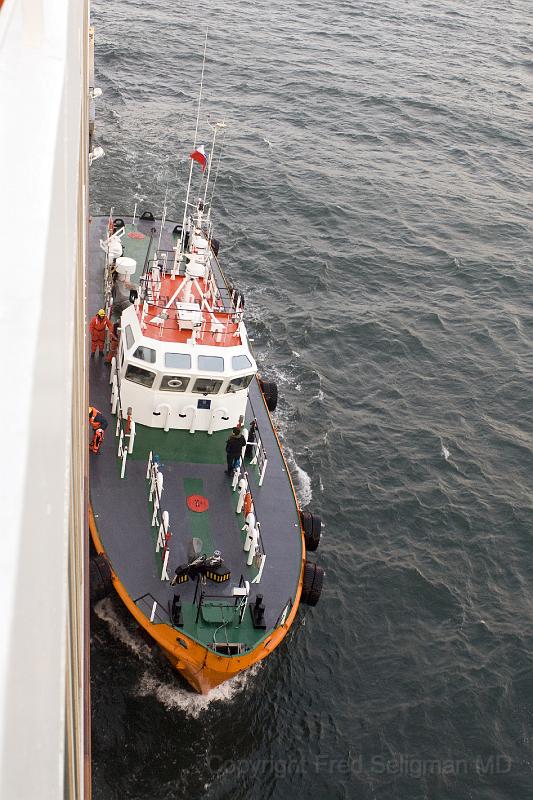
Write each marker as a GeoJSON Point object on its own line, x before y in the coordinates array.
{"type": "Point", "coordinates": [211, 567]}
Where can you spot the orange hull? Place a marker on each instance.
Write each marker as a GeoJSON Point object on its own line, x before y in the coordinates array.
{"type": "Point", "coordinates": [203, 669]}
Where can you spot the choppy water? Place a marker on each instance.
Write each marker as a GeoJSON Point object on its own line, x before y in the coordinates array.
{"type": "Point", "coordinates": [374, 204]}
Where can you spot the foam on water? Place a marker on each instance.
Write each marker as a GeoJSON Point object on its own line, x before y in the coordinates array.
{"type": "Point", "coordinates": [301, 480]}
{"type": "Point", "coordinates": [104, 610]}
{"type": "Point", "coordinates": [175, 697]}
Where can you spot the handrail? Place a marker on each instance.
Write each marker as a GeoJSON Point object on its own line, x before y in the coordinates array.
{"type": "Point", "coordinates": [238, 599]}
{"type": "Point", "coordinates": [253, 543]}
{"type": "Point", "coordinates": [284, 613]}
{"type": "Point", "coordinates": [156, 605]}
{"type": "Point", "coordinates": [260, 456]}
{"type": "Point", "coordinates": [125, 427]}
{"type": "Point", "coordinates": [159, 518]}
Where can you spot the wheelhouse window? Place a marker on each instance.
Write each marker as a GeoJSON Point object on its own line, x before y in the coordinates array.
{"type": "Point", "coordinates": [211, 363]}
{"type": "Point", "coordinates": [145, 354]}
{"type": "Point", "coordinates": [130, 338]}
{"type": "Point", "coordinates": [236, 384]}
{"type": "Point", "coordinates": [206, 386]}
{"type": "Point", "coordinates": [240, 362]}
{"type": "Point", "coordinates": [174, 383]}
{"type": "Point", "coordinates": [178, 360]}
{"type": "Point", "coordinates": [139, 375]}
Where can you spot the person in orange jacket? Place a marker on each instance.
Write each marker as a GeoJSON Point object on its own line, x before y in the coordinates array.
{"type": "Point", "coordinates": [98, 423]}
{"type": "Point", "coordinates": [97, 327]}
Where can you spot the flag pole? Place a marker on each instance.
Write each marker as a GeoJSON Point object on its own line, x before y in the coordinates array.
{"type": "Point", "coordinates": [179, 245]}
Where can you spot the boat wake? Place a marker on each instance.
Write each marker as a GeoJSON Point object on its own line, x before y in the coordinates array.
{"type": "Point", "coordinates": [174, 697]}
{"type": "Point", "coordinates": [104, 610]}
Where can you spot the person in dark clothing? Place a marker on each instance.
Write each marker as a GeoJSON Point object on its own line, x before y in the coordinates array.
{"type": "Point", "coordinates": [234, 446]}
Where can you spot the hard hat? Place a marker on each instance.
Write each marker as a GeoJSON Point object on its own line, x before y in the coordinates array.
{"type": "Point", "coordinates": [101, 313]}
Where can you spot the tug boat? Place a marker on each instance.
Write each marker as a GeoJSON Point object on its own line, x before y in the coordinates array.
{"type": "Point", "coordinates": [212, 565]}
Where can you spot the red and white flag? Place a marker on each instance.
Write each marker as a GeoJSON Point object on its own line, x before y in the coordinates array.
{"type": "Point", "coordinates": [200, 156]}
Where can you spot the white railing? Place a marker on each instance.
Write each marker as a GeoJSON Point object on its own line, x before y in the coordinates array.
{"type": "Point", "coordinates": [125, 427]}
{"type": "Point", "coordinates": [253, 543]}
{"type": "Point", "coordinates": [159, 518]}
{"type": "Point", "coordinates": [259, 457]}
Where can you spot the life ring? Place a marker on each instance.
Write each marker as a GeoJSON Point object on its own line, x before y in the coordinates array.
{"type": "Point", "coordinates": [174, 383]}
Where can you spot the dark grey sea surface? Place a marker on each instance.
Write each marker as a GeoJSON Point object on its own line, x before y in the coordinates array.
{"type": "Point", "coordinates": [374, 204]}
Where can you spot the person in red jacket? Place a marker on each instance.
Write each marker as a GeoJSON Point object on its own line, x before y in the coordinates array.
{"type": "Point", "coordinates": [97, 327]}
{"type": "Point", "coordinates": [98, 423]}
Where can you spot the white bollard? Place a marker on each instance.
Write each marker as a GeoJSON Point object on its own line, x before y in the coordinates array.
{"type": "Point", "coordinates": [124, 457]}
{"type": "Point", "coordinates": [159, 481]}
{"type": "Point", "coordinates": [249, 527]}
{"type": "Point", "coordinates": [259, 575]}
{"type": "Point", "coordinates": [152, 481]}
{"type": "Point", "coordinates": [243, 488]}
{"type": "Point", "coordinates": [253, 547]}
{"type": "Point", "coordinates": [156, 509]}
{"type": "Point", "coordinates": [164, 573]}
{"type": "Point", "coordinates": [163, 528]}
{"type": "Point", "coordinates": [132, 436]}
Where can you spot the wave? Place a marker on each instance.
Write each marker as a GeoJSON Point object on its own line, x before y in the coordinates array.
{"type": "Point", "coordinates": [174, 697]}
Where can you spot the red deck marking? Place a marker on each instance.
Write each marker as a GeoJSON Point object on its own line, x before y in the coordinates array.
{"type": "Point", "coordinates": [171, 332]}
{"type": "Point", "coordinates": [136, 235]}
{"type": "Point", "coordinates": [197, 502]}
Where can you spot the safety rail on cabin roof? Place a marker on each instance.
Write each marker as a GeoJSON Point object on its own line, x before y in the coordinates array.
{"type": "Point", "coordinates": [162, 267]}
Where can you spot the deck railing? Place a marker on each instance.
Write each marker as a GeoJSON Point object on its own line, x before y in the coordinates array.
{"type": "Point", "coordinates": [160, 519]}
{"type": "Point", "coordinates": [237, 599]}
{"type": "Point", "coordinates": [253, 543]}
{"type": "Point", "coordinates": [154, 608]}
{"type": "Point", "coordinates": [125, 427]}
{"type": "Point", "coordinates": [255, 444]}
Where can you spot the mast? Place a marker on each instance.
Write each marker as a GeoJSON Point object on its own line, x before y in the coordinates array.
{"type": "Point", "coordinates": [179, 245]}
{"type": "Point", "coordinates": [216, 127]}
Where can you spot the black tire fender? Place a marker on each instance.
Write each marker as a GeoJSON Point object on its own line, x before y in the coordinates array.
{"type": "Point", "coordinates": [313, 581]}
{"type": "Point", "coordinates": [100, 577]}
{"type": "Point", "coordinates": [312, 527]}
{"type": "Point", "coordinates": [270, 392]}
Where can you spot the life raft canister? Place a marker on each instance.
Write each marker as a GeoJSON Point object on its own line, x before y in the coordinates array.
{"type": "Point", "coordinates": [248, 505]}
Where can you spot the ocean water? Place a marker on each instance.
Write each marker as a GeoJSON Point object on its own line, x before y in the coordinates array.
{"type": "Point", "coordinates": [374, 204]}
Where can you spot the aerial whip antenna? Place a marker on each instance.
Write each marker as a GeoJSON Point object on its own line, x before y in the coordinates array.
{"type": "Point", "coordinates": [179, 245]}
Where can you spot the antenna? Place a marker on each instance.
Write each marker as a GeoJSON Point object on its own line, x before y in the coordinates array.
{"type": "Point", "coordinates": [216, 173]}
{"type": "Point", "coordinates": [179, 245]}
{"type": "Point", "coordinates": [216, 127]}
{"type": "Point", "coordinates": [163, 218]}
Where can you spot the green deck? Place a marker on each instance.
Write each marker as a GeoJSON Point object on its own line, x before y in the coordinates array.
{"type": "Point", "coordinates": [182, 447]}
